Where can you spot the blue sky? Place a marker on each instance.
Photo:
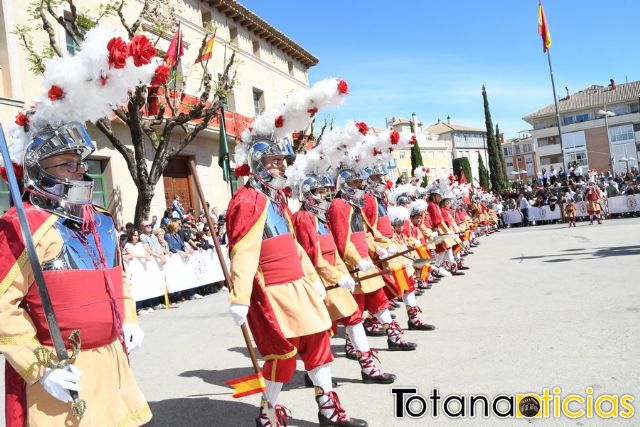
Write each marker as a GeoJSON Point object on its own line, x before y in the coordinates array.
{"type": "Point", "coordinates": [432, 57]}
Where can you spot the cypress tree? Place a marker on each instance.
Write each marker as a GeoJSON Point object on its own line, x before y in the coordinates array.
{"type": "Point", "coordinates": [497, 184]}
{"type": "Point", "coordinates": [503, 168]}
{"type": "Point", "coordinates": [416, 155]}
{"type": "Point", "coordinates": [483, 172]}
{"type": "Point", "coordinates": [462, 164]}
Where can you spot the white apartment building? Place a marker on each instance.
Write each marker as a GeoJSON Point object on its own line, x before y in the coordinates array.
{"type": "Point", "coordinates": [270, 65]}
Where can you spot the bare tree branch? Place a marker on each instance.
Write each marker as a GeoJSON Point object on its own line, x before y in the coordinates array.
{"type": "Point", "coordinates": [68, 27]}
{"type": "Point", "coordinates": [46, 25]}
{"type": "Point", "coordinates": [143, 14]}
{"type": "Point", "coordinates": [123, 20]}
{"type": "Point", "coordinates": [104, 125]}
{"type": "Point", "coordinates": [74, 19]}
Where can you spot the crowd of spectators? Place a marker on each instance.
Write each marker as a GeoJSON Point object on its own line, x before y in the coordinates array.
{"type": "Point", "coordinates": [178, 231]}
{"type": "Point", "coordinates": [557, 188]}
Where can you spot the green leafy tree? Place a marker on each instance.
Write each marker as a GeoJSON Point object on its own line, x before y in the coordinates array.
{"type": "Point", "coordinates": [483, 172]}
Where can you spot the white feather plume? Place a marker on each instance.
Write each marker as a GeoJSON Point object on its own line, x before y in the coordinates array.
{"type": "Point", "coordinates": [398, 214]}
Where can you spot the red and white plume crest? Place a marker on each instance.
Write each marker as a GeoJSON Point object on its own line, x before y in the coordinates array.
{"type": "Point", "coordinates": [398, 214]}
{"type": "Point", "coordinates": [293, 115]}
{"type": "Point", "coordinates": [86, 86]}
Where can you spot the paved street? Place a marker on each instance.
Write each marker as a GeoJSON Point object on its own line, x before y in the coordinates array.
{"type": "Point", "coordinates": [541, 307]}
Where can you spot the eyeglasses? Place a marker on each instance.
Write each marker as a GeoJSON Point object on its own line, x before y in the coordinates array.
{"type": "Point", "coordinates": [72, 167]}
{"type": "Point", "coordinates": [147, 225]}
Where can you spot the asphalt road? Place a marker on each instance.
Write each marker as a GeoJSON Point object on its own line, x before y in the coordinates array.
{"type": "Point", "coordinates": [547, 306]}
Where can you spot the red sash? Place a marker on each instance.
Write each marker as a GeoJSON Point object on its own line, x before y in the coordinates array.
{"type": "Point", "coordinates": [276, 260]}
{"type": "Point", "coordinates": [81, 301]}
{"type": "Point", "coordinates": [328, 248]}
{"type": "Point", "coordinates": [359, 240]}
{"type": "Point", "coordinates": [384, 226]}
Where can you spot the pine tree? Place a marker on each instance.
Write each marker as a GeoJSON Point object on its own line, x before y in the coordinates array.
{"type": "Point", "coordinates": [497, 183]}
{"type": "Point", "coordinates": [483, 172]}
{"type": "Point", "coordinates": [503, 168]}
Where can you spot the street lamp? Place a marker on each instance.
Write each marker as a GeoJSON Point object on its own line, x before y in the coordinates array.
{"type": "Point", "coordinates": [606, 114]}
{"type": "Point", "coordinates": [627, 158]}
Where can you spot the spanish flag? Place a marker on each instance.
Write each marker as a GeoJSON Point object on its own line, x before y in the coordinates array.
{"type": "Point", "coordinates": [245, 386]}
{"type": "Point", "coordinates": [401, 277]}
{"type": "Point", "coordinates": [543, 28]}
{"type": "Point", "coordinates": [207, 51]}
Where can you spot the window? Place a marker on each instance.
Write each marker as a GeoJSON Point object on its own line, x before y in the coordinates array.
{"type": "Point", "coordinates": [4, 196]}
{"type": "Point", "coordinates": [621, 133]}
{"type": "Point", "coordinates": [401, 155]}
{"type": "Point", "coordinates": [95, 169]}
{"type": "Point", "coordinates": [405, 175]}
{"type": "Point", "coordinates": [72, 46]}
{"type": "Point", "coordinates": [233, 36]}
{"type": "Point", "coordinates": [206, 18]}
{"type": "Point", "coordinates": [578, 118]}
{"type": "Point", "coordinates": [507, 151]}
{"type": "Point", "coordinates": [290, 65]}
{"type": "Point", "coordinates": [580, 157]}
{"type": "Point", "coordinates": [527, 148]}
{"type": "Point", "coordinates": [517, 147]}
{"type": "Point", "coordinates": [552, 140]}
{"type": "Point", "coordinates": [509, 163]}
{"type": "Point", "coordinates": [258, 101]}
{"type": "Point", "coordinates": [256, 47]}
{"type": "Point", "coordinates": [621, 110]}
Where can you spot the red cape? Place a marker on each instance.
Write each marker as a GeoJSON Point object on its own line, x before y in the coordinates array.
{"type": "Point", "coordinates": [243, 212]}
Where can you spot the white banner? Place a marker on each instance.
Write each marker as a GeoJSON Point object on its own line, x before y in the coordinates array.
{"type": "Point", "coordinates": [622, 204]}
{"type": "Point", "coordinates": [148, 279]}
{"type": "Point", "coordinates": [544, 213]}
{"type": "Point", "coordinates": [512, 216]}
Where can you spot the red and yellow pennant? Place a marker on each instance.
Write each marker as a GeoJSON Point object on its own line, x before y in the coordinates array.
{"type": "Point", "coordinates": [245, 386]}
{"type": "Point", "coordinates": [543, 28]}
{"type": "Point", "coordinates": [424, 273]}
{"type": "Point", "coordinates": [402, 278]}
{"type": "Point", "coordinates": [423, 252]}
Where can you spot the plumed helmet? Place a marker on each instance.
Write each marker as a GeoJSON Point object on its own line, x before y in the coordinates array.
{"type": "Point", "coordinates": [354, 196]}
{"type": "Point", "coordinates": [264, 147]}
{"type": "Point", "coordinates": [63, 196]}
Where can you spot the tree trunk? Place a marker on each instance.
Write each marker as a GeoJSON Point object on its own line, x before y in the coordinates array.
{"type": "Point", "coordinates": [143, 203]}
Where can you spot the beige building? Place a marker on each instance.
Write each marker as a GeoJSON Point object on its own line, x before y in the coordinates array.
{"type": "Point", "coordinates": [520, 158]}
{"type": "Point", "coordinates": [436, 153]}
{"type": "Point", "coordinates": [270, 65]}
{"type": "Point", "coordinates": [600, 129]}
{"type": "Point", "coordinates": [465, 141]}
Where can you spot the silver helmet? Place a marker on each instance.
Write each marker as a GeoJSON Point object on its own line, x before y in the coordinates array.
{"type": "Point", "coordinates": [313, 202]}
{"type": "Point", "coordinates": [63, 197]}
{"type": "Point", "coordinates": [265, 147]}
{"type": "Point", "coordinates": [355, 196]}
{"type": "Point", "coordinates": [378, 188]}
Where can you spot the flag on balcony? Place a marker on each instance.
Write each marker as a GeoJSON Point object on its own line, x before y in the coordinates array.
{"type": "Point", "coordinates": [176, 50]}
{"type": "Point", "coordinates": [543, 28]}
{"type": "Point", "coordinates": [207, 52]}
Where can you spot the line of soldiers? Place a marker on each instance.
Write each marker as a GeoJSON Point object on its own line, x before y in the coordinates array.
{"type": "Point", "coordinates": [347, 253]}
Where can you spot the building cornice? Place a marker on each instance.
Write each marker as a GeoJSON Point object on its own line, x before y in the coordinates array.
{"type": "Point", "coordinates": [263, 29]}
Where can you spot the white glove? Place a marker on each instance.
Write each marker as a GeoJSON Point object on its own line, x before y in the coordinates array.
{"type": "Point", "coordinates": [365, 265]}
{"type": "Point", "coordinates": [403, 248]}
{"type": "Point", "coordinates": [320, 288]}
{"type": "Point", "coordinates": [347, 282]}
{"type": "Point", "coordinates": [434, 234]}
{"type": "Point", "coordinates": [417, 242]}
{"type": "Point", "coordinates": [381, 252]}
{"type": "Point", "coordinates": [450, 233]}
{"type": "Point", "coordinates": [409, 264]}
{"type": "Point", "coordinates": [58, 382]}
{"type": "Point", "coordinates": [239, 313]}
{"type": "Point", "coordinates": [133, 336]}
{"type": "Point", "coordinates": [392, 250]}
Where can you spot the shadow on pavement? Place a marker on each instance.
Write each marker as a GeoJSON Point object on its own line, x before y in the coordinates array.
{"type": "Point", "coordinates": [203, 412]}
{"type": "Point", "coordinates": [595, 253]}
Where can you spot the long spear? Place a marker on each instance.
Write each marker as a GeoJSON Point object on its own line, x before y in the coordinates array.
{"type": "Point", "coordinates": [227, 277]}
{"type": "Point", "coordinates": [78, 406]}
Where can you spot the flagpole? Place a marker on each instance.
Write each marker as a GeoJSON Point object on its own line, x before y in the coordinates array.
{"type": "Point", "coordinates": [555, 100]}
